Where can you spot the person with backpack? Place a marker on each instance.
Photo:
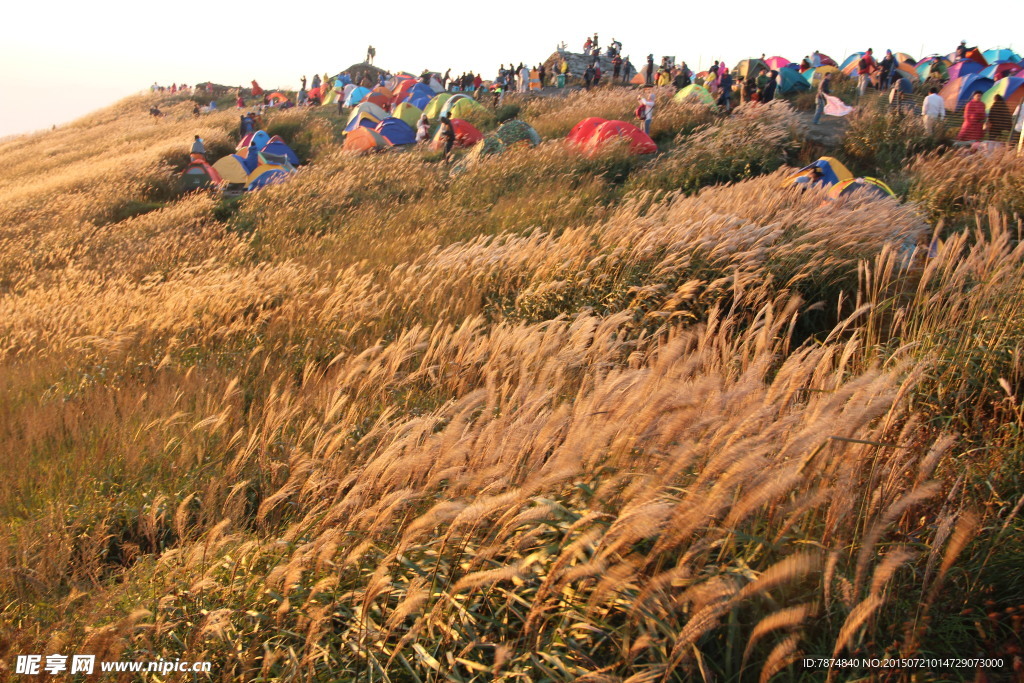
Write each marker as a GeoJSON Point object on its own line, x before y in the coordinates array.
{"type": "Point", "coordinates": [865, 67]}
{"type": "Point", "coordinates": [588, 76]}
{"type": "Point", "coordinates": [645, 112]}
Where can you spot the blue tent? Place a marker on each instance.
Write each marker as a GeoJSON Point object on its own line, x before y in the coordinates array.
{"type": "Point", "coordinates": [252, 159]}
{"type": "Point", "coordinates": [419, 95]}
{"type": "Point", "coordinates": [1002, 55]}
{"type": "Point", "coordinates": [396, 131]}
{"type": "Point", "coordinates": [356, 96]}
{"type": "Point", "coordinates": [281, 149]}
{"type": "Point", "coordinates": [274, 176]}
{"type": "Point", "coordinates": [260, 139]}
{"type": "Point", "coordinates": [791, 80]}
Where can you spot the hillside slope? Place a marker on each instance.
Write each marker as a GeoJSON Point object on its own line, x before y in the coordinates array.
{"type": "Point", "coordinates": [536, 416]}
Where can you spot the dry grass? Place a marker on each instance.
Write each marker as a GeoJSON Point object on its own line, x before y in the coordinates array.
{"type": "Point", "coordinates": [510, 423]}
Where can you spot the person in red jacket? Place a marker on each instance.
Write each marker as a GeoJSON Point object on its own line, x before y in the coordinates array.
{"type": "Point", "coordinates": [973, 129]}
{"type": "Point", "coordinates": [865, 67]}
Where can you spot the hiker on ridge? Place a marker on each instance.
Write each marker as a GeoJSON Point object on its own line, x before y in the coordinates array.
{"type": "Point", "coordinates": [865, 67]}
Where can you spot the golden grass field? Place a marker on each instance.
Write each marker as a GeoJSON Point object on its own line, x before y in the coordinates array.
{"type": "Point", "coordinates": [533, 417]}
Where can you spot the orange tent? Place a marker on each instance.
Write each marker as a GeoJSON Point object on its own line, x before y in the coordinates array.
{"type": "Point", "coordinates": [363, 140]}
{"type": "Point", "coordinates": [380, 99]}
{"type": "Point", "coordinates": [277, 98]}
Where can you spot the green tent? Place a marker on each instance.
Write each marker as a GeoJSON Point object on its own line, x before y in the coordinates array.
{"type": "Point", "coordinates": [694, 93]}
{"type": "Point", "coordinates": [791, 80]}
{"type": "Point", "coordinates": [515, 131]}
{"type": "Point", "coordinates": [434, 107]}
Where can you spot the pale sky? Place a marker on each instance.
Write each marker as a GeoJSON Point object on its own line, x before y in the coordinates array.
{"type": "Point", "coordinates": [59, 61]}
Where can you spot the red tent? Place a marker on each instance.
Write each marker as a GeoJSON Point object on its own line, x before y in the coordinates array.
{"type": "Point", "coordinates": [465, 135]}
{"type": "Point", "coordinates": [639, 141]}
{"type": "Point", "coordinates": [582, 131]}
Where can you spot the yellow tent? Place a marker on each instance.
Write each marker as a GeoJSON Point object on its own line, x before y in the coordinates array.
{"type": "Point", "coordinates": [434, 107]}
{"type": "Point", "coordinates": [232, 169]}
{"type": "Point", "coordinates": [408, 113]}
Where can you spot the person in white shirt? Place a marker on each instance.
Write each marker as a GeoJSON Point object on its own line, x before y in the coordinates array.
{"type": "Point", "coordinates": [423, 129]}
{"type": "Point", "coordinates": [647, 100]}
{"type": "Point", "coordinates": [933, 110]}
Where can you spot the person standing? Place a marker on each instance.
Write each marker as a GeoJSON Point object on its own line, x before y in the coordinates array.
{"type": "Point", "coordinates": [887, 67]}
{"type": "Point", "coordinates": [725, 98]}
{"type": "Point", "coordinates": [647, 102]}
{"type": "Point", "coordinates": [447, 134]}
{"type": "Point", "coordinates": [824, 90]}
{"type": "Point", "coordinates": [973, 128]}
{"type": "Point", "coordinates": [198, 148]}
{"type": "Point", "coordinates": [649, 76]}
{"type": "Point", "coordinates": [524, 79]}
{"type": "Point", "coordinates": [865, 67]}
{"type": "Point", "coordinates": [542, 70]}
{"type": "Point", "coordinates": [303, 82]}
{"type": "Point", "coordinates": [768, 94]}
{"type": "Point", "coordinates": [616, 67]}
{"type": "Point", "coordinates": [1000, 120]}
{"type": "Point", "coordinates": [588, 76]}
{"type": "Point", "coordinates": [933, 110]}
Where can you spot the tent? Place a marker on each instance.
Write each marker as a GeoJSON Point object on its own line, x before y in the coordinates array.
{"type": "Point", "coordinates": [365, 114]}
{"type": "Point", "coordinates": [924, 67]}
{"type": "Point", "coordinates": [817, 73]}
{"type": "Point", "coordinates": [823, 60]}
{"type": "Point", "coordinates": [832, 171]}
{"type": "Point", "coordinates": [873, 187]}
{"type": "Point", "coordinates": [639, 141]}
{"type": "Point", "coordinates": [695, 93]}
{"type": "Point", "coordinates": [419, 95]}
{"type": "Point", "coordinates": [791, 80]}
{"type": "Point", "coordinates": [907, 71]}
{"type": "Point", "coordinates": [199, 174]}
{"type": "Point", "coordinates": [401, 90]}
{"type": "Point", "coordinates": [363, 140]}
{"type": "Point", "coordinates": [379, 99]}
{"type": "Point", "coordinates": [356, 95]}
{"type": "Point", "coordinates": [964, 67]}
{"type": "Point", "coordinates": [460, 106]}
{"type": "Point", "coordinates": [582, 131]}
{"type": "Point", "coordinates": [777, 63]}
{"type": "Point", "coordinates": [277, 98]}
{"type": "Point", "coordinates": [1001, 70]}
{"type": "Point", "coordinates": [1000, 55]}
{"type": "Point", "coordinates": [849, 64]}
{"type": "Point", "coordinates": [277, 147]}
{"type": "Point", "coordinates": [465, 135]}
{"type": "Point", "coordinates": [747, 67]}
{"type": "Point", "coordinates": [904, 58]}
{"type": "Point", "coordinates": [266, 174]}
{"type": "Point", "coordinates": [245, 141]}
{"type": "Point", "coordinates": [1012, 90]}
{"type": "Point", "coordinates": [433, 108]}
{"type": "Point", "coordinates": [959, 90]}
{"type": "Point", "coordinates": [347, 90]}
{"type": "Point", "coordinates": [331, 97]}
{"type": "Point", "coordinates": [974, 54]}
{"type": "Point", "coordinates": [514, 131]}
{"type": "Point", "coordinates": [408, 113]}
{"type": "Point", "coordinates": [396, 131]}
{"type": "Point", "coordinates": [435, 85]}
{"type": "Point", "coordinates": [232, 169]}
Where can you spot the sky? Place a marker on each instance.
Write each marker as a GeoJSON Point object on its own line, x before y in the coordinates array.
{"type": "Point", "coordinates": [59, 61]}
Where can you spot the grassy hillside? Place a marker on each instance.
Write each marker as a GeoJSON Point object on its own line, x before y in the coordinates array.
{"type": "Point", "coordinates": [535, 416]}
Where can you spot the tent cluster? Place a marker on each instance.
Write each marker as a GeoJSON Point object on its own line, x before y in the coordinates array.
{"type": "Point", "coordinates": [593, 133]}
{"type": "Point", "coordinates": [258, 160]}
{"type": "Point", "coordinates": [831, 173]}
{"type": "Point", "coordinates": [372, 128]}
